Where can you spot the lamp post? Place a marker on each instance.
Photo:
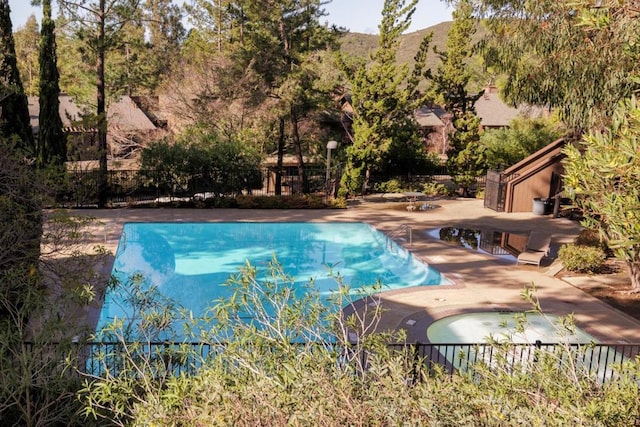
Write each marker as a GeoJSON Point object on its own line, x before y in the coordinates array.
{"type": "Point", "coordinates": [331, 145]}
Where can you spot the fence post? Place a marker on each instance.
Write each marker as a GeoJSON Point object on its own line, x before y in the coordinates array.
{"type": "Point", "coordinates": [538, 347]}
{"type": "Point", "coordinates": [416, 361]}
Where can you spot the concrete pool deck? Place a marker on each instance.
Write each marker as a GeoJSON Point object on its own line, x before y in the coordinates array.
{"type": "Point", "coordinates": [482, 282]}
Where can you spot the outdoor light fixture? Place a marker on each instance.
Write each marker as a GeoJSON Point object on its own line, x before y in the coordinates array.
{"type": "Point", "coordinates": [331, 145]}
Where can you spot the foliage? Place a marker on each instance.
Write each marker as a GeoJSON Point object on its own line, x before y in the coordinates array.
{"type": "Point", "coordinates": [265, 69]}
{"type": "Point", "coordinates": [602, 175]}
{"type": "Point", "coordinates": [451, 87]}
{"type": "Point", "coordinates": [384, 96]}
{"type": "Point", "coordinates": [37, 330]}
{"type": "Point", "coordinates": [26, 43]}
{"type": "Point", "coordinates": [20, 220]}
{"type": "Point", "coordinates": [390, 186]}
{"type": "Point", "coordinates": [582, 258]}
{"type": "Point", "coordinates": [52, 141]}
{"type": "Point", "coordinates": [98, 24]}
{"type": "Point", "coordinates": [202, 161]}
{"type": "Point", "coordinates": [287, 366]}
{"type": "Point", "coordinates": [338, 203]}
{"type": "Point", "coordinates": [577, 57]}
{"type": "Point", "coordinates": [466, 154]}
{"type": "Point", "coordinates": [14, 121]}
{"type": "Point", "coordinates": [435, 189]}
{"type": "Point", "coordinates": [506, 147]}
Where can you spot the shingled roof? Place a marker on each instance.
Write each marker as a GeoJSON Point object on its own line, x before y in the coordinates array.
{"type": "Point", "coordinates": [494, 112]}
{"type": "Point", "coordinates": [429, 117]}
{"type": "Point", "coordinates": [123, 115]}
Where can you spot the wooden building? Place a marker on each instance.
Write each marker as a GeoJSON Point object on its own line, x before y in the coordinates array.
{"type": "Point", "coordinates": [535, 177]}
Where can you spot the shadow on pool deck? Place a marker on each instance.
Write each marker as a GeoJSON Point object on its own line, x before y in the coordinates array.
{"type": "Point", "coordinates": [482, 283]}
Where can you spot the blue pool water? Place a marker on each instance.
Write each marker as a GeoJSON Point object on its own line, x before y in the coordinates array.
{"type": "Point", "coordinates": [188, 262]}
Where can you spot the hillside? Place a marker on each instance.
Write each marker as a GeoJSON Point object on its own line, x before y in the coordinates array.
{"type": "Point", "coordinates": [358, 44]}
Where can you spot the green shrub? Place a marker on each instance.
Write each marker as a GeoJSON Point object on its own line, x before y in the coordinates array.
{"type": "Point", "coordinates": [339, 203]}
{"type": "Point", "coordinates": [279, 369]}
{"type": "Point", "coordinates": [581, 258]}
{"type": "Point", "coordinates": [391, 186]}
{"type": "Point", "coordinates": [435, 189]}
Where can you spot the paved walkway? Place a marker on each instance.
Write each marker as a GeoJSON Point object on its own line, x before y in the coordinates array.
{"type": "Point", "coordinates": [481, 282]}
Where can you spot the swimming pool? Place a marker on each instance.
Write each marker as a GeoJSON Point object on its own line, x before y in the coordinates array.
{"type": "Point", "coordinates": [188, 262]}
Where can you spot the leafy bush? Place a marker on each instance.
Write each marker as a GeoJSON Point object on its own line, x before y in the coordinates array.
{"type": "Point", "coordinates": [506, 147]}
{"type": "Point", "coordinates": [433, 189]}
{"type": "Point", "coordinates": [582, 259]}
{"type": "Point", "coordinates": [287, 366]}
{"type": "Point", "coordinates": [202, 161]}
{"type": "Point", "coordinates": [338, 203]}
{"type": "Point", "coordinates": [390, 186]}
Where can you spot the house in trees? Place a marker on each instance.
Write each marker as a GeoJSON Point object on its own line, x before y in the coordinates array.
{"type": "Point", "coordinates": [435, 124]}
{"type": "Point", "coordinates": [129, 128]}
{"type": "Point", "coordinates": [494, 113]}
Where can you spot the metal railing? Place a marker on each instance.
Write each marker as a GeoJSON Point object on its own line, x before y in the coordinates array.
{"type": "Point", "coordinates": [601, 361]}
{"type": "Point", "coordinates": [139, 186]}
{"type": "Point", "coordinates": [136, 186]}
{"type": "Point", "coordinates": [402, 228]}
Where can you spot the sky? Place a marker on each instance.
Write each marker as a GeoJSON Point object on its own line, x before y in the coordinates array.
{"type": "Point", "coordinates": [360, 16]}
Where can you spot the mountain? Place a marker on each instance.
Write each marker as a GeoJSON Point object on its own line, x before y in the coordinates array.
{"type": "Point", "coordinates": [358, 44]}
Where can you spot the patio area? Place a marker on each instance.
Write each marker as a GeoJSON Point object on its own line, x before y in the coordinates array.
{"type": "Point", "coordinates": [482, 282]}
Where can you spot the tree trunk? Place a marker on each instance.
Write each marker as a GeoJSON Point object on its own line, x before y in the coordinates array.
{"type": "Point", "coordinates": [101, 109]}
{"type": "Point", "coordinates": [302, 176]}
{"type": "Point", "coordinates": [280, 156]}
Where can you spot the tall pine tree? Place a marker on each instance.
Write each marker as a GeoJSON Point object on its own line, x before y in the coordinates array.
{"type": "Point", "coordinates": [451, 88]}
{"type": "Point", "coordinates": [52, 144]}
{"type": "Point", "coordinates": [384, 96]}
{"type": "Point", "coordinates": [98, 23]}
{"type": "Point", "coordinates": [14, 117]}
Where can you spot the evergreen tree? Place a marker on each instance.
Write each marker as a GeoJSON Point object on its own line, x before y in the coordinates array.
{"type": "Point", "coordinates": [14, 119]}
{"type": "Point", "coordinates": [26, 42]}
{"type": "Point", "coordinates": [166, 34]}
{"type": "Point", "coordinates": [383, 97]}
{"type": "Point", "coordinates": [450, 87]}
{"type": "Point", "coordinates": [98, 24]}
{"type": "Point", "coordinates": [52, 143]}
{"type": "Point", "coordinates": [277, 43]}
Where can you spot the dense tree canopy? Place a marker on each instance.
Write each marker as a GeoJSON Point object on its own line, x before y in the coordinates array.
{"type": "Point", "coordinates": [451, 87]}
{"type": "Point", "coordinates": [98, 24]}
{"type": "Point", "coordinates": [14, 120]}
{"type": "Point", "coordinates": [603, 175]}
{"type": "Point", "coordinates": [383, 97]}
{"type": "Point", "coordinates": [578, 57]}
{"type": "Point", "coordinates": [26, 42]}
{"type": "Point", "coordinates": [506, 147]}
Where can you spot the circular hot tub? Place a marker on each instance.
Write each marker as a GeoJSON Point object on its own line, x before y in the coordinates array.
{"type": "Point", "coordinates": [500, 326]}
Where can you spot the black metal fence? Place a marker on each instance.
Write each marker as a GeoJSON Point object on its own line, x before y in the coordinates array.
{"type": "Point", "coordinates": [135, 186]}
{"type": "Point", "coordinates": [602, 361]}
{"type": "Point", "coordinates": [124, 187]}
